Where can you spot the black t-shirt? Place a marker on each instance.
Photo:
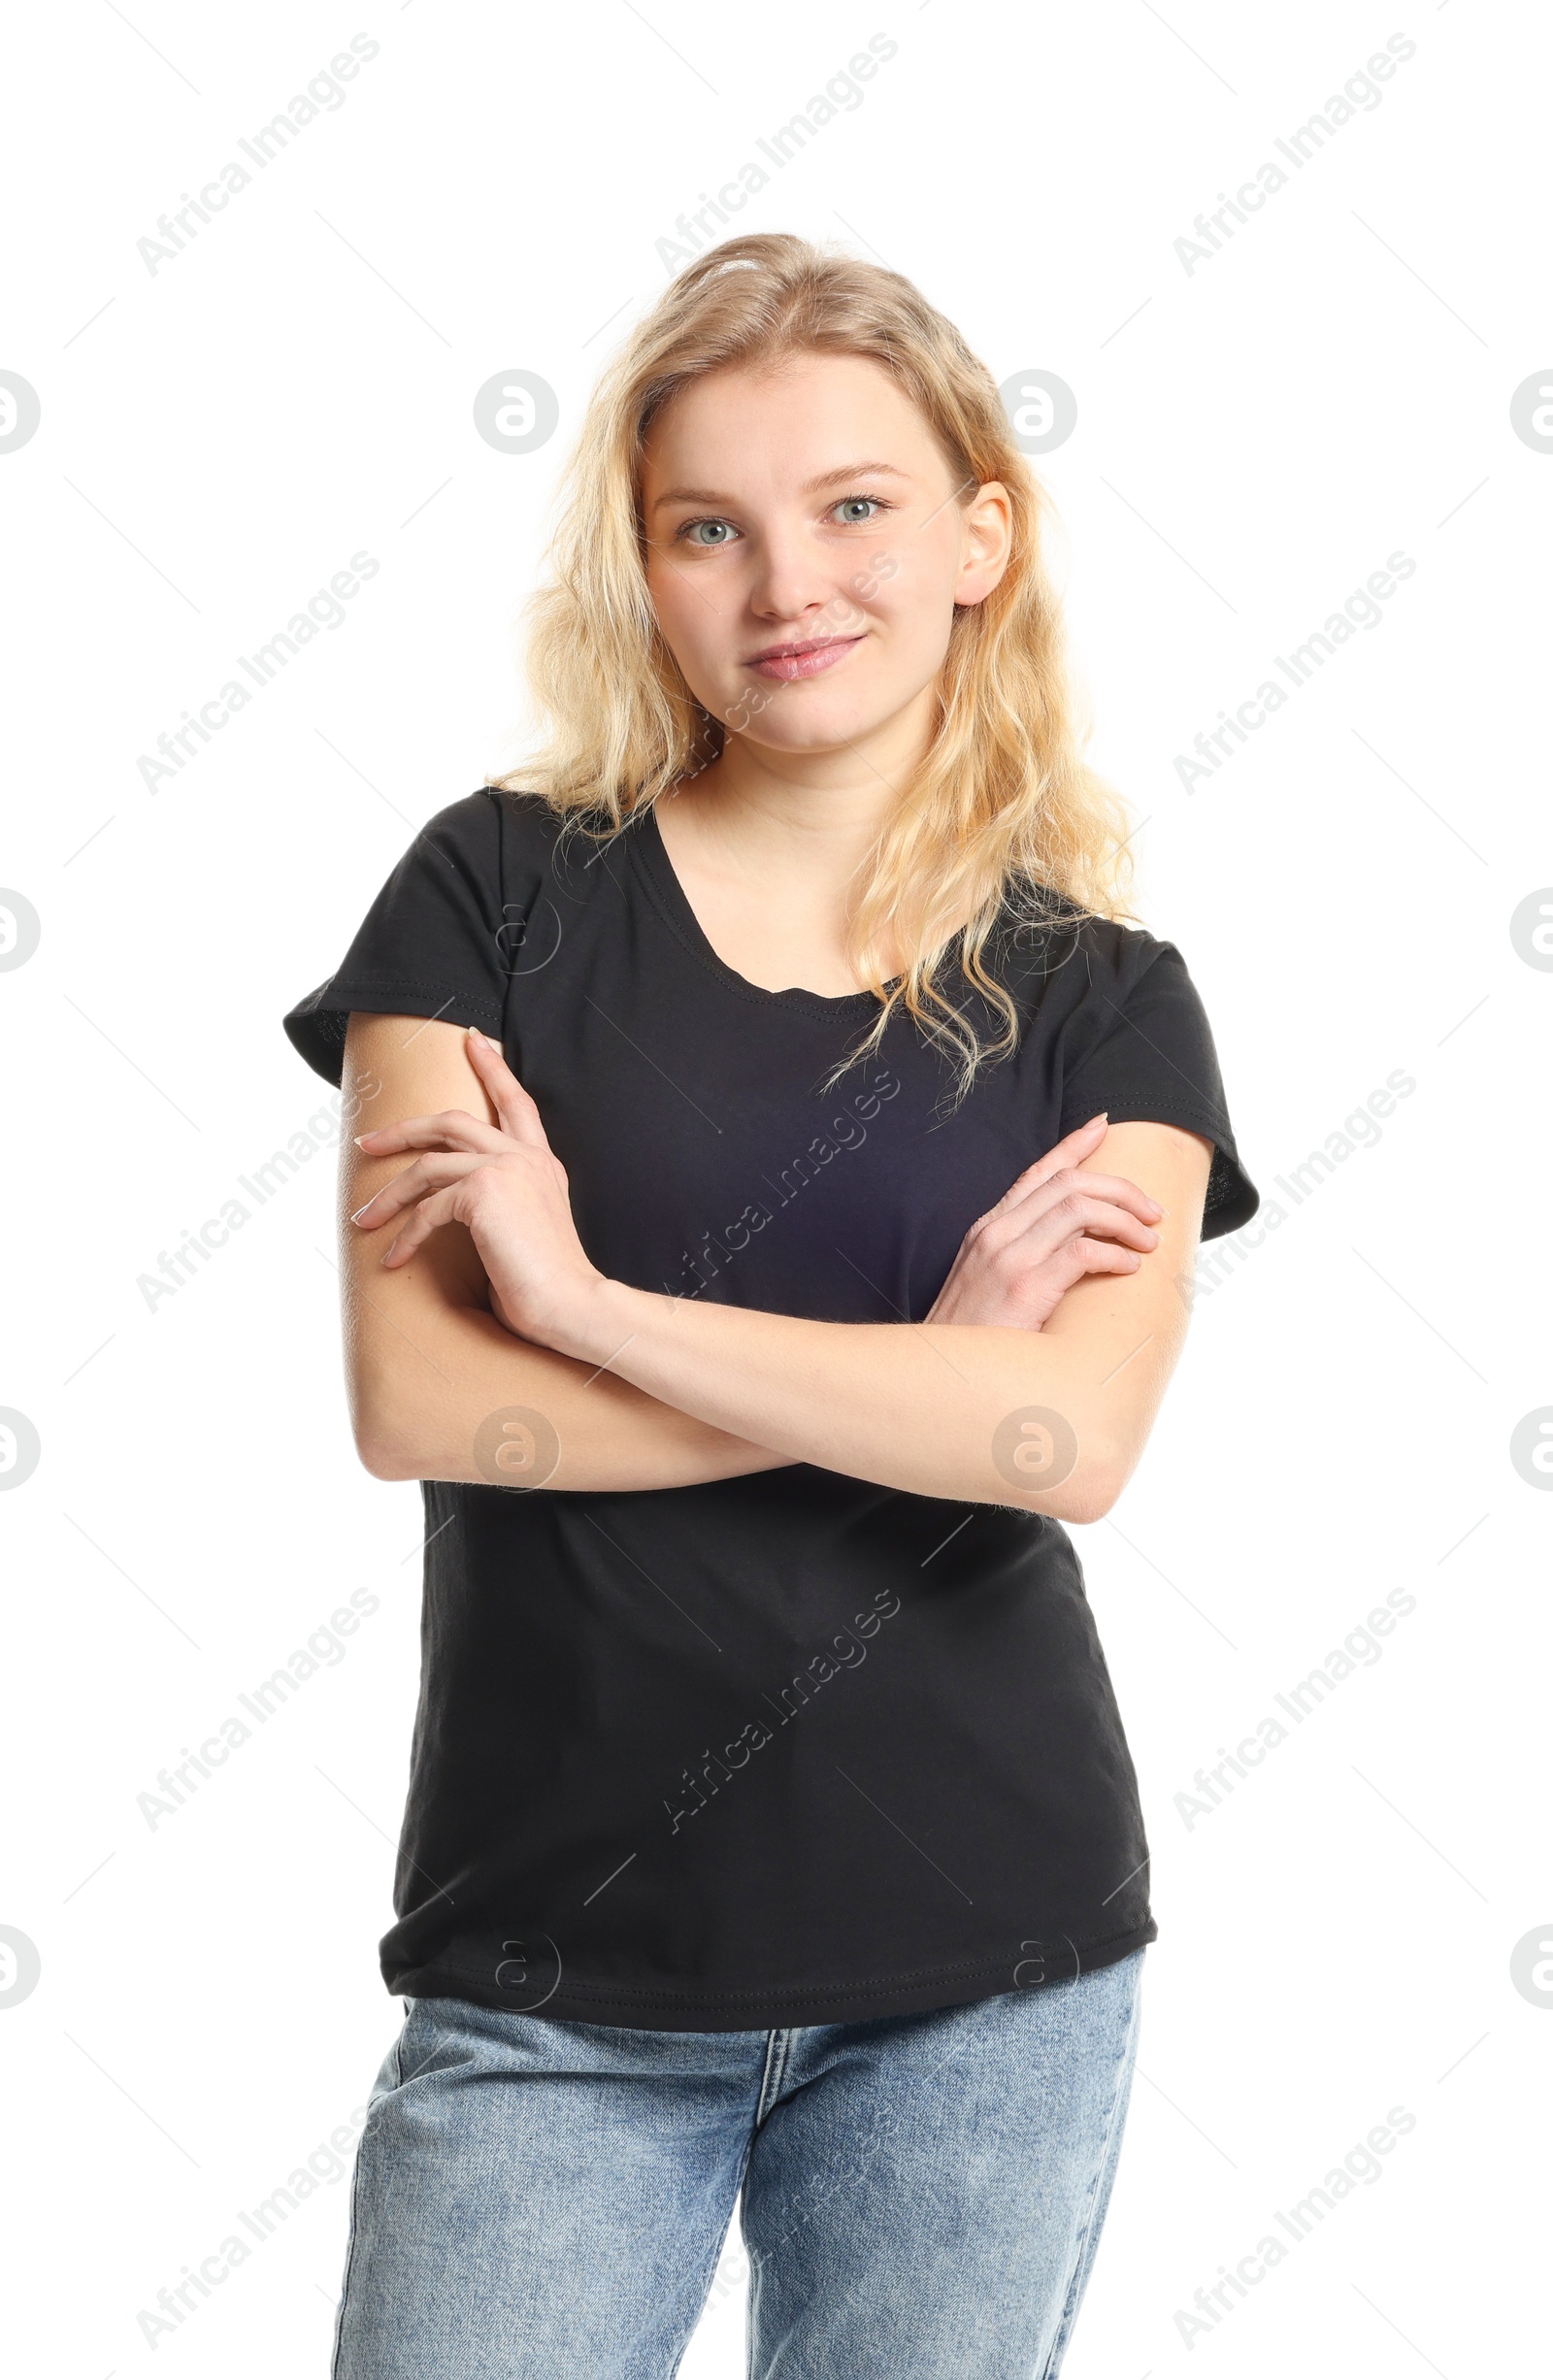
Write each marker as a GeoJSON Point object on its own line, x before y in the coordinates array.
{"type": "Point", "coordinates": [791, 1748]}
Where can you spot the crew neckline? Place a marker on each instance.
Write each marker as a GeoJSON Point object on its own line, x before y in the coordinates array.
{"type": "Point", "coordinates": [651, 853]}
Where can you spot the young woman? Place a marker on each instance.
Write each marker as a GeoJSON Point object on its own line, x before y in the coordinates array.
{"type": "Point", "coordinates": [782, 1184]}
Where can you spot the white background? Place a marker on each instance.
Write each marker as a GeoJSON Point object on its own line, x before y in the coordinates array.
{"type": "Point", "coordinates": [1254, 437]}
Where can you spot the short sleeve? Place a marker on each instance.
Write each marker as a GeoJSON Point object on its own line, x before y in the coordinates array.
{"type": "Point", "coordinates": [1140, 1049]}
{"type": "Point", "coordinates": [431, 943]}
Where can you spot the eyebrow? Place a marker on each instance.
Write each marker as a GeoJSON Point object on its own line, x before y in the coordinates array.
{"type": "Point", "coordinates": [827, 479]}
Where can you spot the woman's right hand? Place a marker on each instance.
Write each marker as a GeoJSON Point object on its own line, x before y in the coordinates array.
{"type": "Point", "coordinates": [1054, 1225]}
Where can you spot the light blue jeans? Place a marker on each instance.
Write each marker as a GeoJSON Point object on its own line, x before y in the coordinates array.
{"type": "Point", "coordinates": [921, 2196]}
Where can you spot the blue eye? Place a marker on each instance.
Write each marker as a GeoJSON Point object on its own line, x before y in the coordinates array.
{"type": "Point", "coordinates": [710, 533]}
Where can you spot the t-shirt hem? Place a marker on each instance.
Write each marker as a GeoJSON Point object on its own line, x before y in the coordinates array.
{"type": "Point", "coordinates": [762, 2007]}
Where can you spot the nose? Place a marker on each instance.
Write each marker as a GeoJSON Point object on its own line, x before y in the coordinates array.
{"type": "Point", "coordinates": [792, 578]}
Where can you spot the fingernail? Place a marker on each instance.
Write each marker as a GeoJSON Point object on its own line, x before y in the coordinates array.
{"type": "Point", "coordinates": [1098, 1119]}
{"type": "Point", "coordinates": [360, 1211]}
{"type": "Point", "coordinates": [361, 1139]}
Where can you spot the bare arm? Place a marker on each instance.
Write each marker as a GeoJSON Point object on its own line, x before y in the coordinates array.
{"type": "Point", "coordinates": [957, 1409]}
{"type": "Point", "coordinates": [965, 1411]}
{"type": "Point", "coordinates": [426, 1361]}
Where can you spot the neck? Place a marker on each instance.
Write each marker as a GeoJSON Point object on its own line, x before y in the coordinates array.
{"type": "Point", "coordinates": [813, 815]}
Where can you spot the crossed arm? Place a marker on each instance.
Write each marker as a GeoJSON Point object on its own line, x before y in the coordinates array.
{"type": "Point", "coordinates": [485, 1299]}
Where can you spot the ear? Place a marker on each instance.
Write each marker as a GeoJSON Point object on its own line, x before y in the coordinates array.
{"type": "Point", "coordinates": [987, 534]}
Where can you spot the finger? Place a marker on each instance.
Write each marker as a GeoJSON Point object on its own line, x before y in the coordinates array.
{"type": "Point", "coordinates": [1070, 1150]}
{"type": "Point", "coordinates": [429, 1217]}
{"type": "Point", "coordinates": [516, 1108]}
{"type": "Point", "coordinates": [1034, 1299]}
{"type": "Point", "coordinates": [1059, 1210]}
{"type": "Point", "coordinates": [1060, 1181]}
{"type": "Point", "coordinates": [1086, 1255]}
{"type": "Point", "coordinates": [1119, 1190]}
{"type": "Point", "coordinates": [414, 1183]}
{"type": "Point", "coordinates": [452, 1128]}
{"type": "Point", "coordinates": [1082, 1259]}
{"type": "Point", "coordinates": [1054, 1227]}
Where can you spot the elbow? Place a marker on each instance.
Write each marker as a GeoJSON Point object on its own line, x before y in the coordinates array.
{"type": "Point", "coordinates": [1087, 1494]}
{"type": "Point", "coordinates": [1094, 1486]}
{"type": "Point", "coordinates": [388, 1431]}
{"type": "Point", "coordinates": [1085, 1498]}
{"type": "Point", "coordinates": [383, 1458]}
{"type": "Point", "coordinates": [382, 1448]}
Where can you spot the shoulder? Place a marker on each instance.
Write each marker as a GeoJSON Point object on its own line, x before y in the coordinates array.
{"type": "Point", "coordinates": [438, 937]}
{"type": "Point", "coordinates": [494, 826]}
{"type": "Point", "coordinates": [493, 851]}
{"type": "Point", "coordinates": [532, 844]}
{"type": "Point", "coordinates": [1058, 957]}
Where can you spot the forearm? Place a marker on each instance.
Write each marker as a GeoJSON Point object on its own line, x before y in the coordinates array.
{"type": "Point", "coordinates": [427, 1364]}
{"type": "Point", "coordinates": [938, 1410]}
{"type": "Point", "coordinates": [466, 1401]}
{"type": "Point", "coordinates": [1053, 1419]}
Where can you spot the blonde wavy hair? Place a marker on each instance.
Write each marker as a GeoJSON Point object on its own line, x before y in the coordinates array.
{"type": "Point", "coordinates": [1002, 811]}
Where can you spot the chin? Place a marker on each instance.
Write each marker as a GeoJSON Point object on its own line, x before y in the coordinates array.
{"type": "Point", "coordinates": [821, 718]}
{"type": "Point", "coordinates": [830, 734]}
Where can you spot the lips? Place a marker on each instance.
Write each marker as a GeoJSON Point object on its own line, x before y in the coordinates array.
{"type": "Point", "coordinates": [806, 657]}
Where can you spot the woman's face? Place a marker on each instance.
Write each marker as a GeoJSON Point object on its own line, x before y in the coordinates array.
{"type": "Point", "coordinates": [806, 546]}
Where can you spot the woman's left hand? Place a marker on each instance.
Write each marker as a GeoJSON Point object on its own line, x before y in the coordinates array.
{"type": "Point", "coordinates": [507, 1186]}
{"type": "Point", "coordinates": [1054, 1226]}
